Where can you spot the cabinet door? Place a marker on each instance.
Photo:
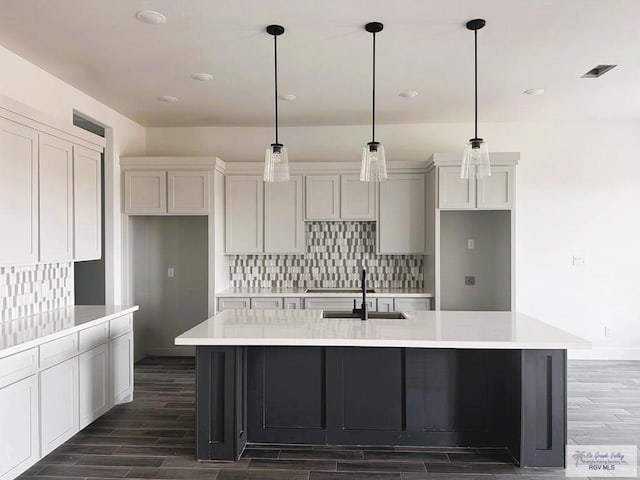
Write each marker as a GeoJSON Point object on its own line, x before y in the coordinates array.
{"type": "Point", "coordinates": [188, 192]}
{"type": "Point", "coordinates": [59, 404]}
{"type": "Point", "coordinates": [322, 197]}
{"type": "Point", "coordinates": [496, 192]}
{"type": "Point", "coordinates": [402, 217]}
{"type": "Point", "coordinates": [343, 304]}
{"type": "Point", "coordinates": [56, 199]}
{"type": "Point", "coordinates": [292, 303]}
{"type": "Point", "coordinates": [233, 302]}
{"type": "Point", "coordinates": [283, 222]}
{"type": "Point", "coordinates": [357, 199]}
{"type": "Point", "coordinates": [87, 204]}
{"type": "Point", "coordinates": [18, 194]}
{"type": "Point", "coordinates": [404, 304]}
{"type": "Point", "coordinates": [244, 214]}
{"type": "Point", "coordinates": [455, 192]}
{"type": "Point", "coordinates": [385, 304]}
{"type": "Point", "coordinates": [94, 384]}
{"type": "Point", "coordinates": [19, 433]}
{"type": "Point", "coordinates": [121, 362]}
{"type": "Point", "coordinates": [145, 192]}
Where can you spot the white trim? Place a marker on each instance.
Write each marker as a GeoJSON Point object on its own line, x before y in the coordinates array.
{"type": "Point", "coordinates": [454, 159]}
{"type": "Point", "coordinates": [605, 353]}
{"type": "Point", "coordinates": [182, 163]}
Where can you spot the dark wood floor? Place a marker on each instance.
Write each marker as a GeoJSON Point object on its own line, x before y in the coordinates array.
{"type": "Point", "coordinates": [153, 437]}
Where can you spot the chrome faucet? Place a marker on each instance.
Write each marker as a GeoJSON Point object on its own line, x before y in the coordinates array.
{"type": "Point", "coordinates": [362, 311]}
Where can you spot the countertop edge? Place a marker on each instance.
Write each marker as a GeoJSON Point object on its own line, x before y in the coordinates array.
{"type": "Point", "coordinates": [7, 352]}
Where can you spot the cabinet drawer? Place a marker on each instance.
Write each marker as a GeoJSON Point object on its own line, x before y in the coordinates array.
{"type": "Point", "coordinates": [233, 302]}
{"type": "Point", "coordinates": [18, 366]}
{"type": "Point", "coordinates": [412, 304]}
{"type": "Point", "coordinates": [120, 326]}
{"type": "Point", "coordinates": [339, 304]}
{"type": "Point", "coordinates": [58, 350]}
{"type": "Point", "coordinates": [266, 303]}
{"type": "Point", "coordinates": [94, 336]}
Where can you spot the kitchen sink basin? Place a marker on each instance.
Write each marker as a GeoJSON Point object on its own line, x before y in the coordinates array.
{"type": "Point", "coordinates": [338, 290]}
{"type": "Point", "coordinates": [372, 315]}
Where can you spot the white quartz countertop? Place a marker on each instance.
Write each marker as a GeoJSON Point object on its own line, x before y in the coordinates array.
{"type": "Point", "coordinates": [300, 292]}
{"type": "Point", "coordinates": [424, 329]}
{"type": "Point", "coordinates": [22, 333]}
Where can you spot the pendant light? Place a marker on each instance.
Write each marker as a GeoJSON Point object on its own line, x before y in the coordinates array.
{"type": "Point", "coordinates": [475, 160]}
{"type": "Point", "coordinates": [374, 166]}
{"type": "Point", "coordinates": [276, 161]}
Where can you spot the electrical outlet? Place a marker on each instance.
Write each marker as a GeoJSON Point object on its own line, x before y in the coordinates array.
{"type": "Point", "coordinates": [469, 280]}
{"type": "Point", "coordinates": [607, 331]}
{"type": "Point", "coordinates": [579, 260]}
{"type": "Point", "coordinates": [471, 244]}
{"type": "Point", "coordinates": [171, 272]}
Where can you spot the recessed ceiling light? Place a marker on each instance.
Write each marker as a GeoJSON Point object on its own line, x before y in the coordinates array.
{"type": "Point", "coordinates": [408, 94]}
{"type": "Point", "coordinates": [203, 77]}
{"type": "Point", "coordinates": [167, 98]}
{"type": "Point", "coordinates": [151, 17]}
{"type": "Point", "coordinates": [534, 91]}
{"type": "Point", "coordinates": [287, 97]}
{"type": "Point", "coordinates": [598, 71]}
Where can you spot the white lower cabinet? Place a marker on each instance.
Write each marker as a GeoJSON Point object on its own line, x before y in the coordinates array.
{"type": "Point", "coordinates": [385, 304]}
{"type": "Point", "coordinates": [121, 362]}
{"type": "Point", "coordinates": [18, 427]}
{"type": "Point", "coordinates": [59, 408]}
{"type": "Point", "coordinates": [263, 303]}
{"type": "Point", "coordinates": [293, 303]}
{"type": "Point", "coordinates": [337, 304]}
{"type": "Point", "coordinates": [404, 304]}
{"type": "Point", "coordinates": [233, 302]}
{"type": "Point", "coordinates": [94, 384]}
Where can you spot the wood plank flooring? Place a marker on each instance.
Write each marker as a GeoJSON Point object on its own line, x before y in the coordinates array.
{"type": "Point", "coordinates": [153, 437]}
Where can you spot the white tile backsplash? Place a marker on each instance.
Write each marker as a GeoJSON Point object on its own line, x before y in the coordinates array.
{"type": "Point", "coordinates": [27, 290]}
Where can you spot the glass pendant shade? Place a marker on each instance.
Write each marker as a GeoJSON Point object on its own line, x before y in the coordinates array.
{"type": "Point", "coordinates": [276, 164]}
{"type": "Point", "coordinates": [475, 160]}
{"type": "Point", "coordinates": [374, 165]}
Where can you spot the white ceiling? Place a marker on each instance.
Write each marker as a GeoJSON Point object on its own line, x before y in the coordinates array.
{"type": "Point", "coordinates": [325, 55]}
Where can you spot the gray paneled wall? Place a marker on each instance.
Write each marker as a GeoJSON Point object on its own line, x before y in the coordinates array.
{"type": "Point", "coordinates": [335, 254]}
{"type": "Point", "coordinates": [31, 289]}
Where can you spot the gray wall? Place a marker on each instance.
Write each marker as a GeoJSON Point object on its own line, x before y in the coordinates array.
{"type": "Point", "coordinates": [489, 261]}
{"type": "Point", "coordinates": [168, 306]}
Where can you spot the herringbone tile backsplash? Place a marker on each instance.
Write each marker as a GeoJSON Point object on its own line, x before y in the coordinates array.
{"type": "Point", "coordinates": [32, 289]}
{"type": "Point", "coordinates": [335, 255]}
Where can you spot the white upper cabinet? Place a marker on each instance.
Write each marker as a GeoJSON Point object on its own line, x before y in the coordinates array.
{"type": "Point", "coordinates": [496, 192]}
{"type": "Point", "coordinates": [145, 192]}
{"type": "Point", "coordinates": [402, 215]}
{"type": "Point", "coordinates": [357, 199]}
{"type": "Point", "coordinates": [283, 222]}
{"type": "Point", "coordinates": [322, 197]}
{"type": "Point", "coordinates": [244, 213]}
{"type": "Point", "coordinates": [188, 192]}
{"type": "Point", "coordinates": [87, 204]}
{"type": "Point", "coordinates": [490, 193]}
{"type": "Point", "coordinates": [18, 194]}
{"type": "Point", "coordinates": [56, 199]}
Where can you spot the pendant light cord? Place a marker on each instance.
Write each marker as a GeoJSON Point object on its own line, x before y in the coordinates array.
{"type": "Point", "coordinates": [275, 69]}
{"type": "Point", "coordinates": [475, 37]}
{"type": "Point", "coordinates": [373, 101]}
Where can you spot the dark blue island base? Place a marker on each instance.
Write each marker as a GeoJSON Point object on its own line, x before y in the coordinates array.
{"type": "Point", "coordinates": [382, 396]}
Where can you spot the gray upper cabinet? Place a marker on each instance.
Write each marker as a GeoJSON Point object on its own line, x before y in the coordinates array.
{"type": "Point", "coordinates": [283, 220]}
{"type": "Point", "coordinates": [322, 197]}
{"type": "Point", "coordinates": [244, 214]}
{"type": "Point", "coordinates": [357, 199]}
{"type": "Point", "coordinates": [491, 193]}
{"type": "Point", "coordinates": [402, 215]}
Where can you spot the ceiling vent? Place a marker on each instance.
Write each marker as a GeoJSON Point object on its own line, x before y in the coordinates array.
{"type": "Point", "coordinates": [598, 71]}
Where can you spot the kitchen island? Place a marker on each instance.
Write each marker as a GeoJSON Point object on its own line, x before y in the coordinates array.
{"type": "Point", "coordinates": [483, 379]}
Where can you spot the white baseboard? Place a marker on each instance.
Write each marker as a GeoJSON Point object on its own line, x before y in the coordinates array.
{"type": "Point", "coordinates": [605, 353]}
{"type": "Point", "coordinates": [177, 351]}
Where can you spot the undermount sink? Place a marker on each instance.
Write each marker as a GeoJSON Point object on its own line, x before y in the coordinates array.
{"type": "Point", "coordinates": [338, 290]}
{"type": "Point", "coordinates": [380, 315]}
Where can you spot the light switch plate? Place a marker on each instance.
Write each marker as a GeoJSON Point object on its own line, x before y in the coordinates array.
{"type": "Point", "coordinates": [469, 280]}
